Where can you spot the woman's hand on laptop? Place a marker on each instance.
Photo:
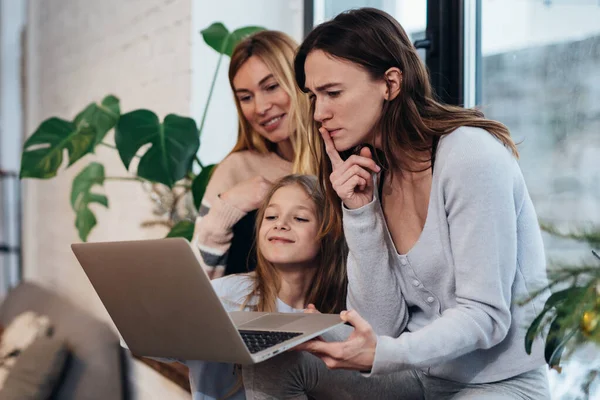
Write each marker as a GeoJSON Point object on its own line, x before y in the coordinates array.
{"type": "Point", "coordinates": [355, 353]}
{"type": "Point", "coordinates": [311, 309]}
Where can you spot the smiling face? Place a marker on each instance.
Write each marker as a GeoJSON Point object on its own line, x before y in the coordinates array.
{"type": "Point", "coordinates": [288, 231]}
{"type": "Point", "coordinates": [348, 102]}
{"type": "Point", "coordinates": [263, 102]}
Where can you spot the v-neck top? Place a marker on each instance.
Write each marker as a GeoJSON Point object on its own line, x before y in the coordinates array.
{"type": "Point", "coordinates": [447, 306]}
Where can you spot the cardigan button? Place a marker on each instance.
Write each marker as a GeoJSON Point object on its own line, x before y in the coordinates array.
{"type": "Point", "coordinates": [430, 299]}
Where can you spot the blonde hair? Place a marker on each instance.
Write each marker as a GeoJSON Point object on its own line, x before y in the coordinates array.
{"type": "Point", "coordinates": [276, 50]}
{"type": "Point", "coordinates": [328, 287]}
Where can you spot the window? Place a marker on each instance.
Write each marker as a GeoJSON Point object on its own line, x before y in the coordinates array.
{"type": "Point", "coordinates": [537, 70]}
{"type": "Point", "coordinates": [12, 20]}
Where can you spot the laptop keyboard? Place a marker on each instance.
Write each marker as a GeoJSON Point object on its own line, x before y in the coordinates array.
{"type": "Point", "coordinates": [260, 340]}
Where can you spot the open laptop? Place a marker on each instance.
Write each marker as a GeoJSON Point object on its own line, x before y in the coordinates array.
{"type": "Point", "coordinates": [163, 304]}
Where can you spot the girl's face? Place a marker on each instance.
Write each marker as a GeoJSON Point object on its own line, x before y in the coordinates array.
{"type": "Point", "coordinates": [348, 102]}
{"type": "Point", "coordinates": [288, 232]}
{"type": "Point", "coordinates": [263, 101]}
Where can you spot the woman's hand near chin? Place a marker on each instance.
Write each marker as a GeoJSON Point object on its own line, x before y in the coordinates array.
{"type": "Point", "coordinates": [351, 179]}
{"type": "Point", "coordinates": [248, 195]}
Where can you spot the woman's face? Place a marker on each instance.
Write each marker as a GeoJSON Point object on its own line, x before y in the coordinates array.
{"type": "Point", "coordinates": [348, 102]}
{"type": "Point", "coordinates": [288, 231]}
{"type": "Point", "coordinates": [263, 101]}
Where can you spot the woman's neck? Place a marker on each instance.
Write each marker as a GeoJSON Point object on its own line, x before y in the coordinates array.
{"type": "Point", "coordinates": [285, 150]}
{"type": "Point", "coordinates": [295, 282]}
{"type": "Point", "coordinates": [417, 166]}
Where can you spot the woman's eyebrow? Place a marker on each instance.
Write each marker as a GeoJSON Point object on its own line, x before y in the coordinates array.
{"type": "Point", "coordinates": [323, 88]}
{"type": "Point", "coordinates": [295, 207]}
{"type": "Point", "coordinates": [266, 78]}
{"type": "Point", "coordinates": [262, 81]}
{"type": "Point", "coordinates": [326, 86]}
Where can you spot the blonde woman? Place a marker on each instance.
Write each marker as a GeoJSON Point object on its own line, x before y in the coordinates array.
{"type": "Point", "coordinates": [272, 137]}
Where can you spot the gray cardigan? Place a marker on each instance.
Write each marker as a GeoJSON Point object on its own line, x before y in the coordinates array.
{"type": "Point", "coordinates": [448, 305]}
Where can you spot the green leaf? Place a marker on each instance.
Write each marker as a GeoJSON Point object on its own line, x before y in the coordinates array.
{"type": "Point", "coordinates": [82, 197]}
{"type": "Point", "coordinates": [554, 359]}
{"type": "Point", "coordinates": [101, 117]}
{"type": "Point", "coordinates": [556, 340]}
{"type": "Point", "coordinates": [222, 41]}
{"type": "Point", "coordinates": [533, 329]}
{"type": "Point", "coordinates": [43, 151]}
{"type": "Point", "coordinates": [199, 184]}
{"type": "Point", "coordinates": [553, 301]}
{"type": "Point", "coordinates": [183, 229]}
{"type": "Point", "coordinates": [215, 36]}
{"type": "Point", "coordinates": [174, 143]}
{"type": "Point", "coordinates": [238, 35]}
{"type": "Point", "coordinates": [85, 221]}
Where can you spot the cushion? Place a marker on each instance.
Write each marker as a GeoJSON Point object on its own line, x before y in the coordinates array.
{"type": "Point", "coordinates": [18, 335]}
{"type": "Point", "coordinates": [37, 370]}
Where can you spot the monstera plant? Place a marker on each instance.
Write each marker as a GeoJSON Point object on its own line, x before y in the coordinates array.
{"type": "Point", "coordinates": [166, 150]}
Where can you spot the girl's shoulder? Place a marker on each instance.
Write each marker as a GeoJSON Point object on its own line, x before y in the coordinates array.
{"type": "Point", "coordinates": [234, 289]}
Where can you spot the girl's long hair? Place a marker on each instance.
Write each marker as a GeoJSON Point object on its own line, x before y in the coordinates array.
{"type": "Point", "coordinates": [327, 290]}
{"type": "Point", "coordinates": [409, 123]}
{"type": "Point", "coordinates": [276, 50]}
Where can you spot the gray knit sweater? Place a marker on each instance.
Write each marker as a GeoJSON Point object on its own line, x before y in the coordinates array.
{"type": "Point", "coordinates": [448, 305]}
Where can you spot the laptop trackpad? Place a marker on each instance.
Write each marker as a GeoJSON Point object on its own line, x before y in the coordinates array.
{"type": "Point", "coordinates": [271, 321]}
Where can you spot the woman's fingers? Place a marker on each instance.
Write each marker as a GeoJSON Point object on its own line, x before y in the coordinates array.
{"type": "Point", "coordinates": [355, 170]}
{"type": "Point", "coordinates": [358, 322]}
{"type": "Point", "coordinates": [364, 162]}
{"type": "Point", "coordinates": [348, 188]}
{"type": "Point", "coordinates": [322, 348]}
{"type": "Point", "coordinates": [332, 152]}
{"type": "Point", "coordinates": [311, 309]}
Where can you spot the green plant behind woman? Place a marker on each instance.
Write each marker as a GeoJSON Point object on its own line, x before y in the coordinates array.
{"type": "Point", "coordinates": [165, 151]}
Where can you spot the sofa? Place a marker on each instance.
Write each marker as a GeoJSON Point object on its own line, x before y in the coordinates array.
{"type": "Point", "coordinates": [97, 365]}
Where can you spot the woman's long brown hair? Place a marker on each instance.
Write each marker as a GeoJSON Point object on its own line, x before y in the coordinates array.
{"type": "Point", "coordinates": [409, 123]}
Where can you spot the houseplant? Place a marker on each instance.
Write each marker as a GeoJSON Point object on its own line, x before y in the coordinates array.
{"type": "Point", "coordinates": [570, 318]}
{"type": "Point", "coordinates": [166, 150]}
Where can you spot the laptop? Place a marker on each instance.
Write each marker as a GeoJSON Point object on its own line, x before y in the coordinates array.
{"type": "Point", "coordinates": [163, 304]}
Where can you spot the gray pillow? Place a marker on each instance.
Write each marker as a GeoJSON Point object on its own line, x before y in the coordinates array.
{"type": "Point", "coordinates": [37, 371]}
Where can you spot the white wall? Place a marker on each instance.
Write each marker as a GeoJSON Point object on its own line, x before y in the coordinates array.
{"type": "Point", "coordinates": [77, 52]}
{"type": "Point", "coordinates": [220, 130]}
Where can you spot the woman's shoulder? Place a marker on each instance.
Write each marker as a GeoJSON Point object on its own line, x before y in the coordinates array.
{"type": "Point", "coordinates": [233, 169]}
{"type": "Point", "coordinates": [249, 157]}
{"type": "Point", "coordinates": [246, 164]}
{"type": "Point", "coordinates": [470, 145]}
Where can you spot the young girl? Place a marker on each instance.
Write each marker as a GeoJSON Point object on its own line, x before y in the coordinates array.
{"type": "Point", "coordinates": [296, 266]}
{"type": "Point", "coordinates": [272, 142]}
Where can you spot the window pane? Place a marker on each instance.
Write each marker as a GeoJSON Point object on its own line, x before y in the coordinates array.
{"type": "Point", "coordinates": [540, 75]}
{"type": "Point", "coordinates": [412, 14]}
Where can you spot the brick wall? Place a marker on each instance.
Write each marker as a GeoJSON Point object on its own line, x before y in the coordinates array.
{"type": "Point", "coordinates": [77, 52]}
